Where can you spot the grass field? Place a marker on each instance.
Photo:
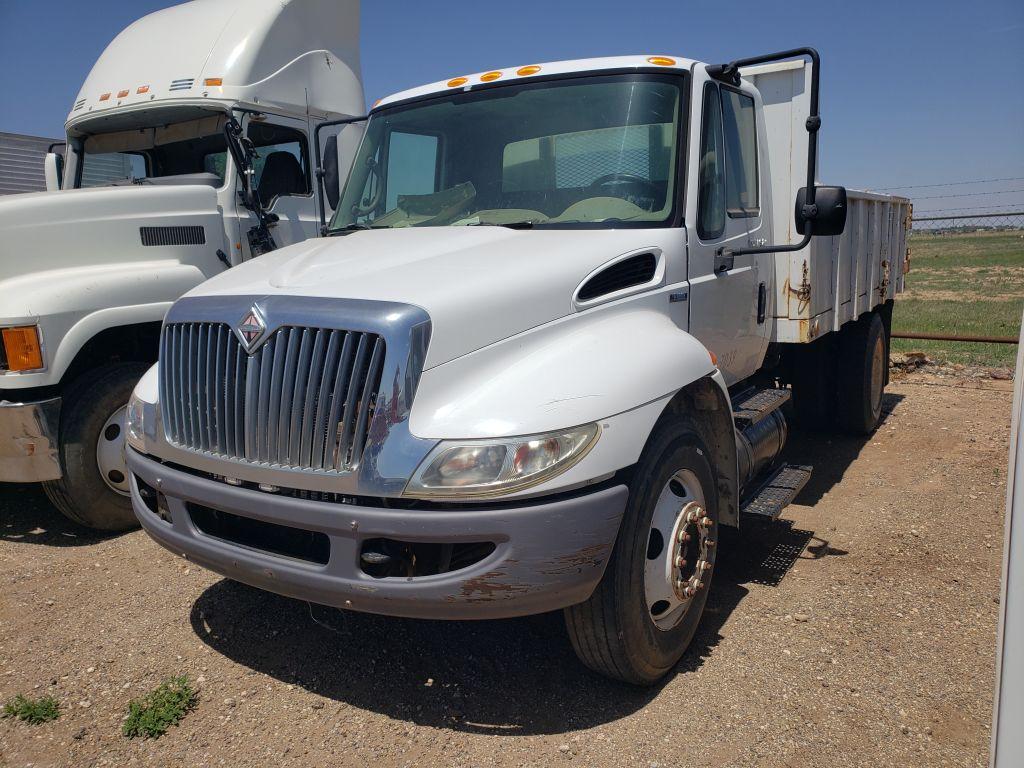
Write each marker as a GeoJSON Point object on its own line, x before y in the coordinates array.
{"type": "Point", "coordinates": [963, 284]}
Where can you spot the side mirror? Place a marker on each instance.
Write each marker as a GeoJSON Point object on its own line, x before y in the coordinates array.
{"type": "Point", "coordinates": [53, 171]}
{"type": "Point", "coordinates": [828, 215]}
{"type": "Point", "coordinates": [332, 179]}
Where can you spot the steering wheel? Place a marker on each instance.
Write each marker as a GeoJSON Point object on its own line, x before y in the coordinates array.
{"type": "Point", "coordinates": [648, 189]}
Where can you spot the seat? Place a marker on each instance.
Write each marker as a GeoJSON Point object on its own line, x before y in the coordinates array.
{"type": "Point", "coordinates": [282, 175]}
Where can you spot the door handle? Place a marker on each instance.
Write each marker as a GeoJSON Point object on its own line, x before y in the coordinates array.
{"type": "Point", "coordinates": [723, 260]}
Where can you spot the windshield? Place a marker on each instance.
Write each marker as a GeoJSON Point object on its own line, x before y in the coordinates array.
{"type": "Point", "coordinates": [192, 150]}
{"type": "Point", "coordinates": [596, 151]}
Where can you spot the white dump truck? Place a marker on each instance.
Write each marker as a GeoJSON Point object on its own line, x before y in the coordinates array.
{"type": "Point", "coordinates": [188, 152]}
{"type": "Point", "coordinates": [544, 355]}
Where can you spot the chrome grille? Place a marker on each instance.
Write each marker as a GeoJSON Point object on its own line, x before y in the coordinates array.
{"type": "Point", "coordinates": [305, 399]}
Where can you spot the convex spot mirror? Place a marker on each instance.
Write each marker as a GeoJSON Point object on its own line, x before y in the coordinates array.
{"type": "Point", "coordinates": [830, 218]}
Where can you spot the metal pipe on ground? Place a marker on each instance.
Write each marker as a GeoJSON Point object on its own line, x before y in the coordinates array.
{"type": "Point", "coordinates": [942, 337]}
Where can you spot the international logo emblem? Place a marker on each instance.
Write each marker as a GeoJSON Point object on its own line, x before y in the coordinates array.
{"type": "Point", "coordinates": [251, 328]}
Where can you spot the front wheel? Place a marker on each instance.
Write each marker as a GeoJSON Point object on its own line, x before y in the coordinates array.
{"type": "Point", "coordinates": [94, 489]}
{"type": "Point", "coordinates": [645, 611]}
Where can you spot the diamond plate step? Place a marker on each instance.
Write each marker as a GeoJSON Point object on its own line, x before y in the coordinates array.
{"type": "Point", "coordinates": [777, 492]}
{"type": "Point", "coordinates": [754, 404]}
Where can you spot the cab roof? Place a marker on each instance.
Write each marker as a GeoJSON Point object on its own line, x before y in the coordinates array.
{"type": "Point", "coordinates": [524, 72]}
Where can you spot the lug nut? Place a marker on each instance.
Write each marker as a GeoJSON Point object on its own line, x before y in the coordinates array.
{"type": "Point", "coordinates": [680, 562]}
{"type": "Point", "coordinates": [705, 522]}
{"type": "Point", "coordinates": [705, 566]}
{"type": "Point", "coordinates": [689, 591]}
{"type": "Point", "coordinates": [683, 537]}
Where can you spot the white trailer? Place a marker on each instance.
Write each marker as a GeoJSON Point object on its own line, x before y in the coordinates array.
{"type": "Point", "coordinates": [188, 152]}
{"type": "Point", "coordinates": [544, 355]}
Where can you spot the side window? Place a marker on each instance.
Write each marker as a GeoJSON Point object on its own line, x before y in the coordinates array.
{"type": "Point", "coordinates": [741, 154]}
{"type": "Point", "coordinates": [412, 166]}
{"type": "Point", "coordinates": [711, 176]}
{"type": "Point", "coordinates": [282, 165]}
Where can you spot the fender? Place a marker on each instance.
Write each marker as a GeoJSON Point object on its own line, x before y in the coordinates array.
{"type": "Point", "coordinates": [583, 368]}
{"type": "Point", "coordinates": [72, 305]}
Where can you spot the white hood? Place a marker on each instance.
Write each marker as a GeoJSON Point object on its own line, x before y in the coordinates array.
{"type": "Point", "coordinates": [478, 284]}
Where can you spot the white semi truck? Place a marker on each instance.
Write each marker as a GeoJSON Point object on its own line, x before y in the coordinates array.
{"type": "Point", "coordinates": [188, 152]}
{"type": "Point", "coordinates": [543, 356]}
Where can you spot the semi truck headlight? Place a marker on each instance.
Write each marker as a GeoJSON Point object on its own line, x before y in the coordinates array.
{"type": "Point", "coordinates": [135, 423]}
{"type": "Point", "coordinates": [498, 466]}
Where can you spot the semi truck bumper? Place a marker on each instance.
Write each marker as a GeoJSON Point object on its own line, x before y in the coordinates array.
{"type": "Point", "coordinates": [545, 556]}
{"type": "Point", "coordinates": [28, 441]}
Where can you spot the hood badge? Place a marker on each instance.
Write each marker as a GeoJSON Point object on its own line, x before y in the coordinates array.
{"type": "Point", "coordinates": [251, 329]}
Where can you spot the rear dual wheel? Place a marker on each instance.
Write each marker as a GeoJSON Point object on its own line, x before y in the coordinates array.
{"type": "Point", "coordinates": [645, 611]}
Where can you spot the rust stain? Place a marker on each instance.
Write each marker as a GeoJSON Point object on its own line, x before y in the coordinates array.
{"type": "Point", "coordinates": [574, 562]}
{"type": "Point", "coordinates": [489, 587]}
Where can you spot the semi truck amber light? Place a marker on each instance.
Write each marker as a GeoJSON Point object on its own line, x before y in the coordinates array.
{"type": "Point", "coordinates": [455, 82]}
{"type": "Point", "coordinates": [122, 93]}
{"type": "Point", "coordinates": [24, 353]}
{"type": "Point", "coordinates": [105, 97]}
{"type": "Point", "coordinates": [489, 76]}
{"type": "Point", "coordinates": [533, 69]}
{"type": "Point", "coordinates": [662, 61]}
{"type": "Point", "coordinates": [212, 81]}
{"type": "Point", "coordinates": [142, 89]}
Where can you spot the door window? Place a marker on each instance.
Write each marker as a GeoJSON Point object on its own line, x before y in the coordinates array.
{"type": "Point", "coordinates": [282, 164]}
{"type": "Point", "coordinates": [711, 177]}
{"type": "Point", "coordinates": [741, 154]}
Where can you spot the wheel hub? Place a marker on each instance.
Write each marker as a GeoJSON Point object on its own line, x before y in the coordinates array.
{"type": "Point", "coordinates": [680, 552]}
{"type": "Point", "coordinates": [110, 458]}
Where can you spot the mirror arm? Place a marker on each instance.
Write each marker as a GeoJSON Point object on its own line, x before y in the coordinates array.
{"type": "Point", "coordinates": [320, 164]}
{"type": "Point", "coordinates": [730, 73]}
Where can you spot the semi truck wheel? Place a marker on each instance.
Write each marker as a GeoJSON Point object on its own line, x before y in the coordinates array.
{"type": "Point", "coordinates": [862, 370]}
{"type": "Point", "coordinates": [94, 489]}
{"type": "Point", "coordinates": [645, 611]}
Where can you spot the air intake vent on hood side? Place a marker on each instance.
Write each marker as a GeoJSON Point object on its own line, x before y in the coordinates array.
{"type": "Point", "coordinates": [636, 270]}
{"type": "Point", "coordinates": [173, 235]}
{"type": "Point", "coordinates": [182, 84]}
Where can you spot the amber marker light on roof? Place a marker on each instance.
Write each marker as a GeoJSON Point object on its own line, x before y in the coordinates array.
{"type": "Point", "coordinates": [487, 77]}
{"type": "Point", "coordinates": [142, 89]}
{"type": "Point", "coordinates": [105, 97]}
{"type": "Point", "coordinates": [455, 82]}
{"type": "Point", "coordinates": [122, 94]}
{"type": "Point", "coordinates": [212, 81]}
{"type": "Point", "coordinates": [533, 69]}
{"type": "Point", "coordinates": [662, 61]}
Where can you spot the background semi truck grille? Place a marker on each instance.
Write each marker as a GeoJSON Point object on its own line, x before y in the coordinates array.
{"type": "Point", "coordinates": [304, 399]}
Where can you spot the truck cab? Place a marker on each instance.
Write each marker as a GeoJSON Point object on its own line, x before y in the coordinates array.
{"type": "Point", "coordinates": [545, 353]}
{"type": "Point", "coordinates": [189, 151]}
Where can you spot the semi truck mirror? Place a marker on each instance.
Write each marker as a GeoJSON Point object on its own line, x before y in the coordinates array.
{"type": "Point", "coordinates": [332, 179]}
{"type": "Point", "coordinates": [53, 171]}
{"type": "Point", "coordinates": [827, 213]}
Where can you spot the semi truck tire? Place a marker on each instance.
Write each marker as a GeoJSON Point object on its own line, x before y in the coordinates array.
{"type": "Point", "coordinates": [862, 370]}
{"type": "Point", "coordinates": [91, 442]}
{"type": "Point", "coordinates": [814, 387]}
{"type": "Point", "coordinates": [640, 619]}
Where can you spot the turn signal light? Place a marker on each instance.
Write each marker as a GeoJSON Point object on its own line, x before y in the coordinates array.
{"type": "Point", "coordinates": [24, 352]}
{"type": "Point", "coordinates": [662, 61]}
{"type": "Point", "coordinates": [212, 81]}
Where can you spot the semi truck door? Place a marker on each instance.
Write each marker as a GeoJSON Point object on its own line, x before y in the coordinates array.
{"type": "Point", "coordinates": [727, 311]}
{"type": "Point", "coordinates": [283, 178]}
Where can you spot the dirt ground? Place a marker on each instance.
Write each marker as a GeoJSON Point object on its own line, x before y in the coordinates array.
{"type": "Point", "coordinates": [860, 630]}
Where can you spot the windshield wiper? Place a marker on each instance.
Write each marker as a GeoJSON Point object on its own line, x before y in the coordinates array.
{"type": "Point", "coordinates": [525, 224]}
{"type": "Point", "coordinates": [350, 228]}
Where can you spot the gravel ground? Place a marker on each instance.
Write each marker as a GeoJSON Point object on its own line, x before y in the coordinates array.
{"type": "Point", "coordinates": [857, 631]}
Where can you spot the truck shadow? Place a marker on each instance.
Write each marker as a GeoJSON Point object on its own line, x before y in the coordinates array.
{"type": "Point", "coordinates": [830, 453]}
{"type": "Point", "coordinates": [28, 517]}
{"type": "Point", "coordinates": [512, 677]}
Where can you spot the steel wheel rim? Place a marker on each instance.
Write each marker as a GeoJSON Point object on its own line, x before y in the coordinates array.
{"type": "Point", "coordinates": [877, 374]}
{"type": "Point", "coordinates": [670, 588]}
{"type": "Point", "coordinates": [110, 457]}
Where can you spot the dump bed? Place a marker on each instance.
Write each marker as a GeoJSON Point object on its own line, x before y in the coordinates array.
{"type": "Point", "coordinates": [834, 279]}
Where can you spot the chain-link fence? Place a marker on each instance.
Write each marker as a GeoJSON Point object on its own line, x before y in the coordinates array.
{"type": "Point", "coordinates": [966, 223]}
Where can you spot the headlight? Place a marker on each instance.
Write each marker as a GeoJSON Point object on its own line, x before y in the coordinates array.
{"type": "Point", "coordinates": [135, 423]}
{"type": "Point", "coordinates": [498, 466]}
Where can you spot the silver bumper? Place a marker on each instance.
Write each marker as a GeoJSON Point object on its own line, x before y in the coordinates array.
{"type": "Point", "coordinates": [28, 441]}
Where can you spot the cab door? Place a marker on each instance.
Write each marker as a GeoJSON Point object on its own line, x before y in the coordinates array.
{"type": "Point", "coordinates": [283, 178]}
{"type": "Point", "coordinates": [728, 295]}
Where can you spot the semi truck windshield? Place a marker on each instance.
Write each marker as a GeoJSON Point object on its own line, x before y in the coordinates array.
{"type": "Point", "coordinates": [594, 151]}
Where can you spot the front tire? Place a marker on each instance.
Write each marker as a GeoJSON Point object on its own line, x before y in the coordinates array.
{"type": "Point", "coordinates": [94, 489]}
{"type": "Point", "coordinates": [645, 611]}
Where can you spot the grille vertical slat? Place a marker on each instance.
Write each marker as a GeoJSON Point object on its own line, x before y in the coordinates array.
{"type": "Point", "coordinates": [304, 399]}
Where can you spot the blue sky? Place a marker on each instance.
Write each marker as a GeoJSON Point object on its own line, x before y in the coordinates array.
{"type": "Point", "coordinates": [913, 92]}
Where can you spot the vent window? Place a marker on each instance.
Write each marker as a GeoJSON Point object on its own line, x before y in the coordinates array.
{"type": "Point", "coordinates": [636, 270]}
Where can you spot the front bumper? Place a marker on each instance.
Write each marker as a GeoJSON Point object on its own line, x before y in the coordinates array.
{"type": "Point", "coordinates": [28, 441]}
{"type": "Point", "coordinates": [547, 555]}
